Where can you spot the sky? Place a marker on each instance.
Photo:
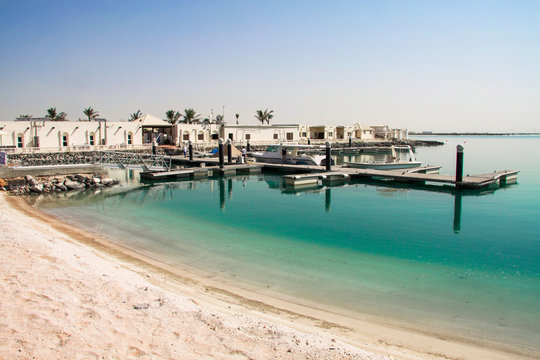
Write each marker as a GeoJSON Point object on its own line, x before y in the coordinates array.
{"type": "Point", "coordinates": [421, 65]}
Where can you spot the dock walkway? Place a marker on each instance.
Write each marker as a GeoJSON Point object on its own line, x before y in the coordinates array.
{"type": "Point", "coordinates": [298, 175]}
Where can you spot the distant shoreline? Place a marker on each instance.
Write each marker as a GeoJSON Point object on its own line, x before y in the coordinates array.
{"type": "Point", "coordinates": [471, 133]}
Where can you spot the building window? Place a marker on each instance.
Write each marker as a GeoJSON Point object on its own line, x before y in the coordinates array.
{"type": "Point", "coordinates": [289, 136]}
{"type": "Point", "coordinates": [91, 140]}
{"type": "Point", "coordinates": [248, 136]}
{"type": "Point", "coordinates": [185, 137]}
{"type": "Point", "coordinates": [330, 134]}
{"type": "Point", "coordinates": [215, 136]}
{"type": "Point", "coordinates": [304, 134]}
{"type": "Point", "coordinates": [129, 138]}
{"type": "Point", "coordinates": [231, 136]}
{"type": "Point", "coordinates": [200, 137]}
{"type": "Point", "coordinates": [276, 136]}
{"type": "Point", "coordinates": [65, 140]}
{"type": "Point", "coordinates": [349, 134]}
{"type": "Point", "coordinates": [20, 141]}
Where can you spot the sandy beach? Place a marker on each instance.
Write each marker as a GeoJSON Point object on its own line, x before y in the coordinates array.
{"type": "Point", "coordinates": [66, 293]}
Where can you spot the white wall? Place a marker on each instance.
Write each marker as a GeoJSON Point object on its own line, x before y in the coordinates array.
{"type": "Point", "coordinates": [50, 133]}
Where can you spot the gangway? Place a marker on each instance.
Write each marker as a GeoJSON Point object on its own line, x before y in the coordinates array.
{"type": "Point", "coordinates": [128, 160]}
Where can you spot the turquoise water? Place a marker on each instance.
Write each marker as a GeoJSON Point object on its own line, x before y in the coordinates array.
{"type": "Point", "coordinates": [465, 264]}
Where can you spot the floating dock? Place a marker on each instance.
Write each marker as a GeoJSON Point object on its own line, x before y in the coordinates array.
{"type": "Point", "coordinates": [202, 172]}
{"type": "Point", "coordinates": [302, 175]}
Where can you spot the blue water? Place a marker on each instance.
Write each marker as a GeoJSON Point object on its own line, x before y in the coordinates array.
{"type": "Point", "coordinates": [403, 254]}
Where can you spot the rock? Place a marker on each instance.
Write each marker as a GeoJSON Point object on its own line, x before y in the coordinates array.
{"type": "Point", "coordinates": [82, 178]}
{"type": "Point", "coordinates": [107, 181]}
{"type": "Point", "coordinates": [95, 180]}
{"type": "Point", "coordinates": [38, 188]}
{"type": "Point", "coordinates": [16, 183]}
{"type": "Point", "coordinates": [73, 185]}
{"type": "Point", "coordinates": [60, 187]}
{"type": "Point", "coordinates": [28, 178]}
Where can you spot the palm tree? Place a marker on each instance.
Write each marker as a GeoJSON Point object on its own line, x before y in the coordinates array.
{"type": "Point", "coordinates": [265, 115]}
{"type": "Point", "coordinates": [135, 115]}
{"type": "Point", "coordinates": [219, 119]}
{"type": "Point", "coordinates": [54, 116]}
{"type": "Point", "coordinates": [172, 116]}
{"type": "Point", "coordinates": [90, 113]}
{"type": "Point", "coordinates": [237, 116]}
{"type": "Point", "coordinates": [190, 116]}
{"type": "Point", "coordinates": [25, 116]}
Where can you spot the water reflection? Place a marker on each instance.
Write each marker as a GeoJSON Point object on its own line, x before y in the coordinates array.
{"type": "Point", "coordinates": [136, 193]}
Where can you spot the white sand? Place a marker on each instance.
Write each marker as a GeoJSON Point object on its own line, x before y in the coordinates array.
{"type": "Point", "coordinates": [62, 298]}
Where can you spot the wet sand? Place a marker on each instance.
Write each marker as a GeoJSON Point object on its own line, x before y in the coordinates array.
{"type": "Point", "coordinates": [68, 293]}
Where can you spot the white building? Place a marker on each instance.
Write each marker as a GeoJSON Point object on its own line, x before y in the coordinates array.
{"type": "Point", "coordinates": [39, 134]}
{"type": "Point", "coordinates": [69, 135]}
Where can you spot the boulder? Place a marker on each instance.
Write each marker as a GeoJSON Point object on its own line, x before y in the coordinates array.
{"type": "Point", "coordinates": [61, 187]}
{"type": "Point", "coordinates": [107, 181]}
{"type": "Point", "coordinates": [38, 188]}
{"type": "Point", "coordinates": [73, 185]}
{"type": "Point", "coordinates": [95, 180]}
{"type": "Point", "coordinates": [16, 183]}
{"type": "Point", "coordinates": [28, 178]}
{"type": "Point", "coordinates": [82, 178]}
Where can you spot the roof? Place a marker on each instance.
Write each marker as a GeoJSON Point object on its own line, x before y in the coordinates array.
{"type": "Point", "coordinates": [153, 121]}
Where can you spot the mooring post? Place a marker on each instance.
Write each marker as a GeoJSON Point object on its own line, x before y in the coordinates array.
{"type": "Point", "coordinates": [229, 151]}
{"type": "Point", "coordinates": [308, 141]}
{"type": "Point", "coordinates": [350, 141]}
{"type": "Point", "coordinates": [328, 157]}
{"type": "Point", "coordinates": [221, 165]}
{"type": "Point", "coordinates": [190, 147]}
{"type": "Point", "coordinates": [459, 165]}
{"type": "Point", "coordinates": [154, 147]}
{"type": "Point", "coordinates": [248, 146]}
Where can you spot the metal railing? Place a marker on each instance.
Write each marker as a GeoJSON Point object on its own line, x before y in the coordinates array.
{"type": "Point", "coordinates": [129, 160]}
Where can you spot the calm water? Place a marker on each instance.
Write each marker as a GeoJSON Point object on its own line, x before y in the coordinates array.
{"type": "Point", "coordinates": [400, 253]}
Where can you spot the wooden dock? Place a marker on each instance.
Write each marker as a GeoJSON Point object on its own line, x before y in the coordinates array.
{"type": "Point", "coordinates": [202, 172]}
{"type": "Point", "coordinates": [301, 175]}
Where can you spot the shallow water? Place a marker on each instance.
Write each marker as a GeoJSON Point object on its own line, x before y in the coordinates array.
{"type": "Point", "coordinates": [396, 252]}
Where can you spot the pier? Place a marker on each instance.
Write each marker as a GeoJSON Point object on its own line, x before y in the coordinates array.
{"type": "Point", "coordinates": [300, 175]}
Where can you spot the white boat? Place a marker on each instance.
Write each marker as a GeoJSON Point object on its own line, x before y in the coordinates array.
{"type": "Point", "coordinates": [393, 163]}
{"type": "Point", "coordinates": [288, 154]}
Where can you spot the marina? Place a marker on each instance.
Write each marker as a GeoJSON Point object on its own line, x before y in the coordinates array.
{"type": "Point", "coordinates": [297, 174]}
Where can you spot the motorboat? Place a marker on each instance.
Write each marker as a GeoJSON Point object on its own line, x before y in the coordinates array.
{"type": "Point", "coordinates": [393, 163]}
{"type": "Point", "coordinates": [289, 154]}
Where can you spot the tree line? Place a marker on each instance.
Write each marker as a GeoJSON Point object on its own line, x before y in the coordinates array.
{"type": "Point", "coordinates": [189, 116]}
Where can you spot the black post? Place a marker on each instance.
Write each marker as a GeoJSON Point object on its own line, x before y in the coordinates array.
{"type": "Point", "coordinates": [248, 146]}
{"type": "Point", "coordinates": [229, 151]}
{"type": "Point", "coordinates": [309, 141]}
{"type": "Point", "coordinates": [328, 157]}
{"type": "Point", "coordinates": [221, 165]}
{"type": "Point", "coordinates": [154, 147]}
{"type": "Point", "coordinates": [350, 141]}
{"type": "Point", "coordinates": [459, 165]}
{"type": "Point", "coordinates": [190, 147]}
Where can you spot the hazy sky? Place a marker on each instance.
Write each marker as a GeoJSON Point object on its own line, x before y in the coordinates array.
{"type": "Point", "coordinates": [422, 65]}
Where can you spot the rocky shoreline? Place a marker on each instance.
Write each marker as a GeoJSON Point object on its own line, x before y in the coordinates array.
{"type": "Point", "coordinates": [55, 184]}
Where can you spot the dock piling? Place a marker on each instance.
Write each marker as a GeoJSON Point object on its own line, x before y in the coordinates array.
{"type": "Point", "coordinates": [190, 147]}
{"type": "Point", "coordinates": [229, 151]}
{"type": "Point", "coordinates": [328, 157]}
{"type": "Point", "coordinates": [350, 141]}
{"type": "Point", "coordinates": [221, 162]}
{"type": "Point", "coordinates": [248, 146]}
{"type": "Point", "coordinates": [459, 165]}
